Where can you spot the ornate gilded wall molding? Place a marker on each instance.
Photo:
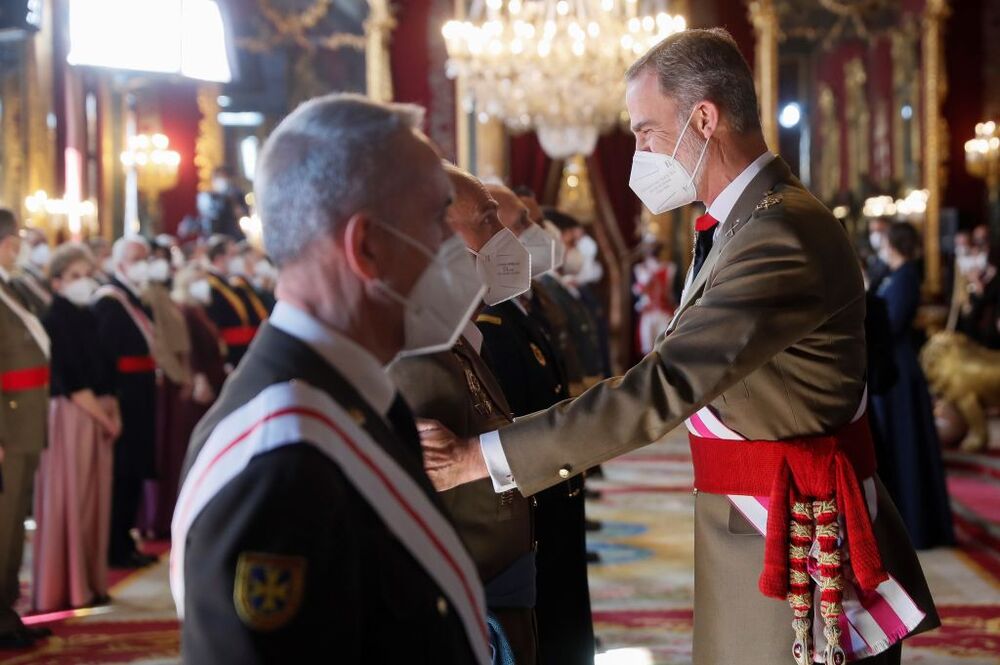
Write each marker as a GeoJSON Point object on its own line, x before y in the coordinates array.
{"type": "Point", "coordinates": [858, 124]}
{"type": "Point", "coordinates": [378, 34]}
{"type": "Point", "coordinates": [828, 182]}
{"type": "Point", "coordinates": [12, 190]}
{"type": "Point", "coordinates": [935, 137]}
{"type": "Point", "coordinates": [764, 18]}
{"type": "Point", "coordinates": [209, 147]}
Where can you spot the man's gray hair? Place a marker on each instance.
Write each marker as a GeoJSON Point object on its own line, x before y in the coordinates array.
{"type": "Point", "coordinates": [696, 65]}
{"type": "Point", "coordinates": [330, 158]}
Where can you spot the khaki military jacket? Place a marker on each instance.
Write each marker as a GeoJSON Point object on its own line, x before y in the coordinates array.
{"type": "Point", "coordinates": [23, 413]}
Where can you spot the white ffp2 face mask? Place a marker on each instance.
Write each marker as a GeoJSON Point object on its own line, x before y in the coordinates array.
{"type": "Point", "coordinates": [442, 300]}
{"type": "Point", "coordinates": [201, 291]}
{"type": "Point", "coordinates": [559, 247]}
{"type": "Point", "coordinates": [541, 246]}
{"type": "Point", "coordinates": [660, 181]}
{"type": "Point", "coordinates": [504, 267]}
{"type": "Point", "coordinates": [80, 291]}
{"type": "Point", "coordinates": [158, 271]}
{"type": "Point", "coordinates": [137, 273]}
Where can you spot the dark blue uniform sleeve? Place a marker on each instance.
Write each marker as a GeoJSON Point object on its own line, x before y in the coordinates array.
{"type": "Point", "coordinates": [272, 570]}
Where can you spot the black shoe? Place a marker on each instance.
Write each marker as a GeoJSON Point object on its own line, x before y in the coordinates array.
{"type": "Point", "coordinates": [147, 559]}
{"type": "Point", "coordinates": [38, 632]}
{"type": "Point", "coordinates": [131, 561]}
{"type": "Point", "coordinates": [18, 639]}
{"type": "Point", "coordinates": [592, 525]}
{"type": "Point", "coordinates": [593, 557]}
{"type": "Point", "coordinates": [591, 495]}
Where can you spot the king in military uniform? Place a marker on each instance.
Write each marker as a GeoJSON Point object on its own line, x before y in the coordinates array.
{"type": "Point", "coordinates": [800, 555]}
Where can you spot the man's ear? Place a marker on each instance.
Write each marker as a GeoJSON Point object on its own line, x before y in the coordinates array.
{"type": "Point", "coordinates": [359, 246]}
{"type": "Point", "coordinates": [706, 119]}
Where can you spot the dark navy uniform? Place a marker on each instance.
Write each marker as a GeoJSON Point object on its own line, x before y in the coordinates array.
{"type": "Point", "coordinates": [365, 599]}
{"type": "Point", "coordinates": [521, 355]}
{"type": "Point", "coordinates": [260, 303]}
{"type": "Point", "coordinates": [233, 315]}
{"type": "Point", "coordinates": [128, 360]}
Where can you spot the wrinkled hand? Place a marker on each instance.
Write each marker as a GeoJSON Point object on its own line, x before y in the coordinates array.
{"type": "Point", "coordinates": [449, 460]}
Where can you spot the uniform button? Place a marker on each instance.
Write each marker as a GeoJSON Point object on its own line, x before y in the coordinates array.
{"type": "Point", "coordinates": [442, 606]}
{"type": "Point", "coordinates": [12, 404]}
{"type": "Point", "coordinates": [565, 471]}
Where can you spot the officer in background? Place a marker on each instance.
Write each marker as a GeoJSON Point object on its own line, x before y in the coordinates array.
{"type": "Point", "coordinates": [127, 348]}
{"type": "Point", "coordinates": [319, 533]}
{"type": "Point", "coordinates": [24, 409]}
{"type": "Point", "coordinates": [242, 270]}
{"type": "Point", "coordinates": [230, 310]}
{"type": "Point", "coordinates": [457, 388]}
{"type": "Point", "coordinates": [523, 358]}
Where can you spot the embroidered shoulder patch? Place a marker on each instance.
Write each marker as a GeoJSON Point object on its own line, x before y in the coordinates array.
{"type": "Point", "coordinates": [769, 200]}
{"type": "Point", "coordinates": [267, 590]}
{"type": "Point", "coordinates": [539, 356]}
{"type": "Point", "coordinates": [489, 318]}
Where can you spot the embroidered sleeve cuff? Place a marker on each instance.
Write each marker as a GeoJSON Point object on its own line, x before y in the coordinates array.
{"type": "Point", "coordinates": [496, 462]}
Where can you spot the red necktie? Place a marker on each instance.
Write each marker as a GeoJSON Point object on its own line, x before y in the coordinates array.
{"type": "Point", "coordinates": [705, 226]}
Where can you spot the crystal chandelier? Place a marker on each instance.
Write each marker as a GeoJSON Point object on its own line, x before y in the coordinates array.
{"type": "Point", "coordinates": [555, 66]}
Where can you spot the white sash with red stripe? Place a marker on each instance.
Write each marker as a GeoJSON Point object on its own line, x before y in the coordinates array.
{"type": "Point", "coordinates": [138, 316]}
{"type": "Point", "coordinates": [296, 412]}
{"type": "Point", "coordinates": [871, 622]}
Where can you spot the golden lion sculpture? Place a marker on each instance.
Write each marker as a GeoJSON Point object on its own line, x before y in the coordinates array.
{"type": "Point", "coordinates": [967, 375]}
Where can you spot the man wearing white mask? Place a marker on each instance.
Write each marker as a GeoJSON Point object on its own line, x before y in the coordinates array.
{"type": "Point", "coordinates": [31, 280]}
{"type": "Point", "coordinates": [230, 310]}
{"type": "Point", "coordinates": [305, 524]}
{"type": "Point", "coordinates": [524, 344]}
{"type": "Point", "coordinates": [456, 387]}
{"type": "Point", "coordinates": [242, 270]}
{"type": "Point", "coordinates": [126, 335]}
{"type": "Point", "coordinates": [24, 388]}
{"type": "Point", "coordinates": [764, 362]}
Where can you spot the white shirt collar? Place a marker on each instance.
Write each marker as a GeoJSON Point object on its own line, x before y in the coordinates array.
{"type": "Point", "coordinates": [4, 275]}
{"type": "Point", "coordinates": [723, 204]}
{"type": "Point", "coordinates": [473, 336]}
{"type": "Point", "coordinates": [359, 367]}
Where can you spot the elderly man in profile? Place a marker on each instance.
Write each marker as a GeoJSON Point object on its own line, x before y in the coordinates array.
{"type": "Point", "coordinates": [800, 555]}
{"type": "Point", "coordinates": [306, 528]}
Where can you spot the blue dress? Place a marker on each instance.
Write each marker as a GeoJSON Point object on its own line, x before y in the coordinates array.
{"type": "Point", "coordinates": [905, 419]}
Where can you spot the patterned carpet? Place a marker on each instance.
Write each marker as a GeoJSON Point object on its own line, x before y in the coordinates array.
{"type": "Point", "coordinates": [642, 591]}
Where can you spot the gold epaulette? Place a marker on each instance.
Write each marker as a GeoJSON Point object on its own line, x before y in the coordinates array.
{"type": "Point", "coordinates": [489, 318]}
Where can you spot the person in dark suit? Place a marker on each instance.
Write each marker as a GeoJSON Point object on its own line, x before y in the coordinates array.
{"type": "Point", "coordinates": [521, 353]}
{"type": "Point", "coordinates": [242, 270]}
{"type": "Point", "coordinates": [232, 313]}
{"type": "Point", "coordinates": [317, 531]}
{"type": "Point", "coordinates": [125, 331]}
{"type": "Point", "coordinates": [24, 385]}
{"type": "Point", "coordinates": [903, 413]}
{"type": "Point", "coordinates": [457, 388]}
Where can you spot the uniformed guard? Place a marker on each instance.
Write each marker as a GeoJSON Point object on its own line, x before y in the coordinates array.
{"type": "Point", "coordinates": [126, 335]}
{"type": "Point", "coordinates": [457, 388]}
{"type": "Point", "coordinates": [305, 525]}
{"type": "Point", "coordinates": [242, 268]}
{"type": "Point", "coordinates": [230, 310]}
{"type": "Point", "coordinates": [765, 363]}
{"type": "Point", "coordinates": [525, 361]}
{"type": "Point", "coordinates": [24, 408]}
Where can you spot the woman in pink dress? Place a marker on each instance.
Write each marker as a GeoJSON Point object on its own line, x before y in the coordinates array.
{"type": "Point", "coordinates": [73, 486]}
